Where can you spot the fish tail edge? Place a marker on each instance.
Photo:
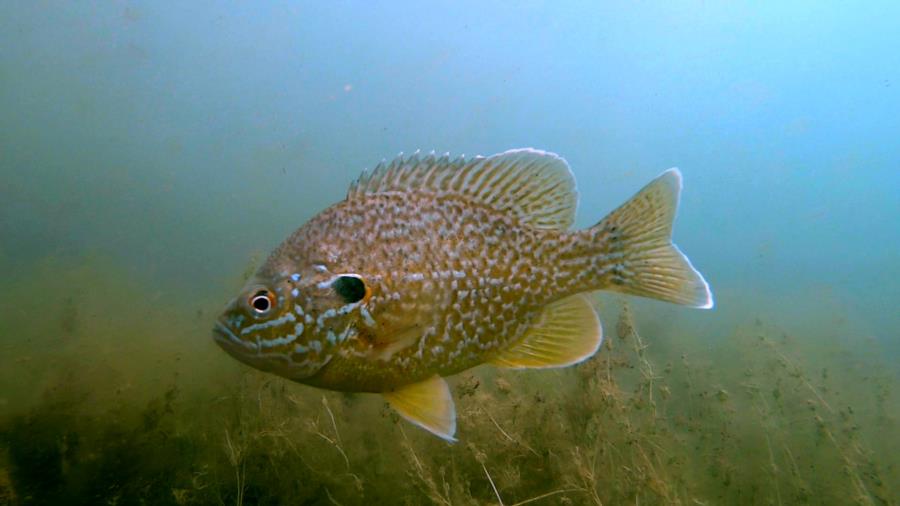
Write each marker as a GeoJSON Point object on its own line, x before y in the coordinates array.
{"type": "Point", "coordinates": [636, 250]}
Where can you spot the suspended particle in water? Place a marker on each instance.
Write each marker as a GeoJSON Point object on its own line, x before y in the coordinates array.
{"type": "Point", "coordinates": [625, 327]}
{"type": "Point", "coordinates": [722, 395]}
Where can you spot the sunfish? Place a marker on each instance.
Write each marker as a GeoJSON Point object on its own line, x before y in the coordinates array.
{"type": "Point", "coordinates": [431, 266]}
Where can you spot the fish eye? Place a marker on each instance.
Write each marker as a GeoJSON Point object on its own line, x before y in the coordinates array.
{"type": "Point", "coordinates": [350, 288]}
{"type": "Point", "coordinates": [261, 301]}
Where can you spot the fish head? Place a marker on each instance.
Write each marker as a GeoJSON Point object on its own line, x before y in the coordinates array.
{"type": "Point", "coordinates": [290, 321]}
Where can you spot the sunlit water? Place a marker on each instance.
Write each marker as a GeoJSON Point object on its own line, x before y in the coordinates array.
{"type": "Point", "coordinates": [152, 154]}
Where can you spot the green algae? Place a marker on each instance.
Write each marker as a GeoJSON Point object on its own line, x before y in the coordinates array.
{"type": "Point", "coordinates": [120, 397]}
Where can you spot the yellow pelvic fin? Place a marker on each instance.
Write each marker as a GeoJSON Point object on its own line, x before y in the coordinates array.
{"type": "Point", "coordinates": [427, 404]}
{"type": "Point", "coordinates": [536, 186]}
{"type": "Point", "coordinates": [566, 332]}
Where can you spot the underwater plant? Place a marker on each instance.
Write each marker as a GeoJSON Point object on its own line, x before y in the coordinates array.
{"type": "Point", "coordinates": [765, 416]}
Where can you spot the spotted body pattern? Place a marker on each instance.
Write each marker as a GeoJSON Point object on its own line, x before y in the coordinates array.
{"type": "Point", "coordinates": [432, 266]}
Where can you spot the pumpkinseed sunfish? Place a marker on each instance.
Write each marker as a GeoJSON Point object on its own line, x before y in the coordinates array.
{"type": "Point", "coordinates": [433, 265]}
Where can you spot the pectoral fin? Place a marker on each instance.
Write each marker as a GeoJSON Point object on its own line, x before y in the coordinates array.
{"type": "Point", "coordinates": [567, 332]}
{"type": "Point", "coordinates": [427, 404]}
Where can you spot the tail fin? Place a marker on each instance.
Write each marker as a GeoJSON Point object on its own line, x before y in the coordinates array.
{"type": "Point", "coordinates": [637, 241]}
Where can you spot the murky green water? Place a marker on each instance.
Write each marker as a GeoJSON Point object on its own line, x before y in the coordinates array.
{"type": "Point", "coordinates": [152, 154]}
{"type": "Point", "coordinates": [116, 396]}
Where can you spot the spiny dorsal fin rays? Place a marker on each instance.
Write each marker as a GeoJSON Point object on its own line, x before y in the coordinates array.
{"type": "Point", "coordinates": [427, 404]}
{"type": "Point", "coordinates": [404, 173]}
{"type": "Point", "coordinates": [534, 185]}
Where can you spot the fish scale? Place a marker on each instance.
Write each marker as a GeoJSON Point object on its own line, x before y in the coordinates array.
{"type": "Point", "coordinates": [432, 266]}
{"type": "Point", "coordinates": [480, 274]}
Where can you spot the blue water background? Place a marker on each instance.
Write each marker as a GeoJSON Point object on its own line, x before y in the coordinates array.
{"type": "Point", "coordinates": [179, 139]}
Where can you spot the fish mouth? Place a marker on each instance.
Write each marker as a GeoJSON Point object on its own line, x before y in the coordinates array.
{"type": "Point", "coordinates": [251, 353]}
{"type": "Point", "coordinates": [227, 339]}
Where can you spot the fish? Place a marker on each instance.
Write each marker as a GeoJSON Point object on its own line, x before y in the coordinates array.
{"type": "Point", "coordinates": [434, 265]}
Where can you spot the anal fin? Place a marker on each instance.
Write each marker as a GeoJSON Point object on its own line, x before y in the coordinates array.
{"type": "Point", "coordinates": [566, 333]}
{"type": "Point", "coordinates": [427, 404]}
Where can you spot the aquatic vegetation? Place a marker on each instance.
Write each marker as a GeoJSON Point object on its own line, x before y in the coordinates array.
{"type": "Point", "coordinates": [152, 155]}
{"type": "Point", "coordinates": [762, 417]}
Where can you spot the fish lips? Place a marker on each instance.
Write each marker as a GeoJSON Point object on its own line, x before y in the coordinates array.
{"type": "Point", "coordinates": [230, 342]}
{"type": "Point", "coordinates": [249, 353]}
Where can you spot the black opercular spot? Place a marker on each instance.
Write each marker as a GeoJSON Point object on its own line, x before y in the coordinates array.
{"type": "Point", "coordinates": [350, 288]}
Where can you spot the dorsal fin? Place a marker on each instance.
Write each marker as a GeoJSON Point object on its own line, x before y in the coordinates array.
{"type": "Point", "coordinates": [536, 186]}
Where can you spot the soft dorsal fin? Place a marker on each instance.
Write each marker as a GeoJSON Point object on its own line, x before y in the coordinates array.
{"type": "Point", "coordinates": [566, 332]}
{"type": "Point", "coordinates": [537, 186]}
{"type": "Point", "coordinates": [427, 404]}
